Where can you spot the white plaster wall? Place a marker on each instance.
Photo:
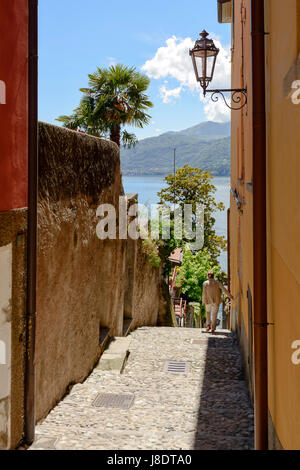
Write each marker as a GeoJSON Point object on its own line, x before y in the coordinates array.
{"type": "Point", "coordinates": [5, 337]}
{"type": "Point", "coordinates": [2, 92]}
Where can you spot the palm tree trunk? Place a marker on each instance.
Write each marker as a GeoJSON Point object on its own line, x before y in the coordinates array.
{"type": "Point", "coordinates": [115, 134]}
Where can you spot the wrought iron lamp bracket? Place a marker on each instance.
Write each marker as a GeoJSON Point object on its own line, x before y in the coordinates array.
{"type": "Point", "coordinates": [238, 96]}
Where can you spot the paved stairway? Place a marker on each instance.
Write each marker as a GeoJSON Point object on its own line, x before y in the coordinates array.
{"type": "Point", "coordinates": [205, 407]}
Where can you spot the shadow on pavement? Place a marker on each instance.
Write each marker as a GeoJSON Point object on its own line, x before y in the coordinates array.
{"type": "Point", "coordinates": [225, 418]}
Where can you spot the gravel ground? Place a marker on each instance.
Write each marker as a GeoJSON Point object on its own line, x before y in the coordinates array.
{"type": "Point", "coordinates": [207, 407]}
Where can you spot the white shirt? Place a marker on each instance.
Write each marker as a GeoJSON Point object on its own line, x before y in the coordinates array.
{"type": "Point", "coordinates": [212, 292]}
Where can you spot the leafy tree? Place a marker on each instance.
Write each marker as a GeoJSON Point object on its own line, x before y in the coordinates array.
{"type": "Point", "coordinates": [115, 98]}
{"type": "Point", "coordinates": [193, 273]}
{"type": "Point", "coordinates": [166, 247]}
{"type": "Point", "coordinates": [190, 186]}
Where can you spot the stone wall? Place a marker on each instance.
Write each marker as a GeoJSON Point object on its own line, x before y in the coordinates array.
{"type": "Point", "coordinates": [146, 298]}
{"type": "Point", "coordinates": [84, 286]}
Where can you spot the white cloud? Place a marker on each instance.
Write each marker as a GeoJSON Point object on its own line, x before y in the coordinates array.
{"type": "Point", "coordinates": [173, 61]}
{"type": "Point", "coordinates": [216, 111]}
{"type": "Point", "coordinates": [111, 61]}
{"type": "Point", "coordinates": [167, 95]}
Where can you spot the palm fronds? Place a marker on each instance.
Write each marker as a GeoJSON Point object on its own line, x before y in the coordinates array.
{"type": "Point", "coordinates": [115, 98]}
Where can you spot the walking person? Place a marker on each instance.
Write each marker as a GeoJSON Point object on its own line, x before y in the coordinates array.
{"type": "Point", "coordinates": [211, 298]}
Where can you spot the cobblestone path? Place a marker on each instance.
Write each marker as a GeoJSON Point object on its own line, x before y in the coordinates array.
{"type": "Point", "coordinates": [207, 407]}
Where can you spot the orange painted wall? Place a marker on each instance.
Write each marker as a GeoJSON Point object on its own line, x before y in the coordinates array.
{"type": "Point", "coordinates": [13, 113]}
{"type": "Point", "coordinates": [241, 176]}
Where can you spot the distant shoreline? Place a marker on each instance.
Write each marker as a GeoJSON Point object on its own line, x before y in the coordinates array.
{"type": "Point", "coordinates": [206, 145]}
{"type": "Point", "coordinates": [130, 173]}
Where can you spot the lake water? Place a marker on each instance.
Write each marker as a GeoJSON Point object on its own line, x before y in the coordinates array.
{"type": "Point", "coordinates": [147, 188]}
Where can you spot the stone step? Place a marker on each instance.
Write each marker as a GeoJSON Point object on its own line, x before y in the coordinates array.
{"type": "Point", "coordinates": [114, 357]}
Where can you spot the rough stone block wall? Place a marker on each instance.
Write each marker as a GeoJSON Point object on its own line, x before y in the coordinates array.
{"type": "Point", "coordinates": [80, 278]}
{"type": "Point", "coordinates": [83, 282]}
{"type": "Point", "coordinates": [147, 295]}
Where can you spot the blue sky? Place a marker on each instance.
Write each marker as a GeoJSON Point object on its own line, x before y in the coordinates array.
{"type": "Point", "coordinates": [77, 36]}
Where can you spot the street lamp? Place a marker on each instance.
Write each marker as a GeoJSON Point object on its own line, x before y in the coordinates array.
{"type": "Point", "coordinates": [204, 55]}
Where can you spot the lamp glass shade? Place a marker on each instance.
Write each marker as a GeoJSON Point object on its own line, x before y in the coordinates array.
{"type": "Point", "coordinates": [204, 56]}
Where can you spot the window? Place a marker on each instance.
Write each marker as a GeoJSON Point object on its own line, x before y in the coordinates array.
{"type": "Point", "coordinates": [225, 11]}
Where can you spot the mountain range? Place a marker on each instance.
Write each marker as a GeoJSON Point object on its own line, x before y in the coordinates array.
{"type": "Point", "coordinates": [205, 146]}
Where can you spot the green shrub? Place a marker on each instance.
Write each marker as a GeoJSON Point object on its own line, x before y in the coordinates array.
{"type": "Point", "coordinates": [151, 251]}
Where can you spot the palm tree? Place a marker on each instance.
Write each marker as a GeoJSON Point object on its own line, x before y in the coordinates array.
{"type": "Point", "coordinates": [83, 118]}
{"type": "Point", "coordinates": [115, 98]}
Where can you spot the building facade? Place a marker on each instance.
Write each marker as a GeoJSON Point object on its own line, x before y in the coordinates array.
{"type": "Point", "coordinates": [264, 212]}
{"type": "Point", "coordinates": [13, 215]}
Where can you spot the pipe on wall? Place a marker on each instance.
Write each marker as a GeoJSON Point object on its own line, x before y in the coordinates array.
{"type": "Point", "coordinates": [29, 420]}
{"type": "Point", "coordinates": [259, 226]}
{"type": "Point", "coordinates": [298, 25]}
{"type": "Point", "coordinates": [228, 263]}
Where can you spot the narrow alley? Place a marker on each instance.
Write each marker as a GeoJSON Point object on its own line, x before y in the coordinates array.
{"type": "Point", "coordinates": [201, 403]}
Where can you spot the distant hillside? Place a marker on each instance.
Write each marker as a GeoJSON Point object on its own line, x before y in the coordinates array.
{"type": "Point", "coordinates": [206, 146]}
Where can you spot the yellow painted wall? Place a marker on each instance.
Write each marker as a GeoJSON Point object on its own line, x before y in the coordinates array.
{"type": "Point", "coordinates": [283, 204]}
{"type": "Point", "coordinates": [283, 212]}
